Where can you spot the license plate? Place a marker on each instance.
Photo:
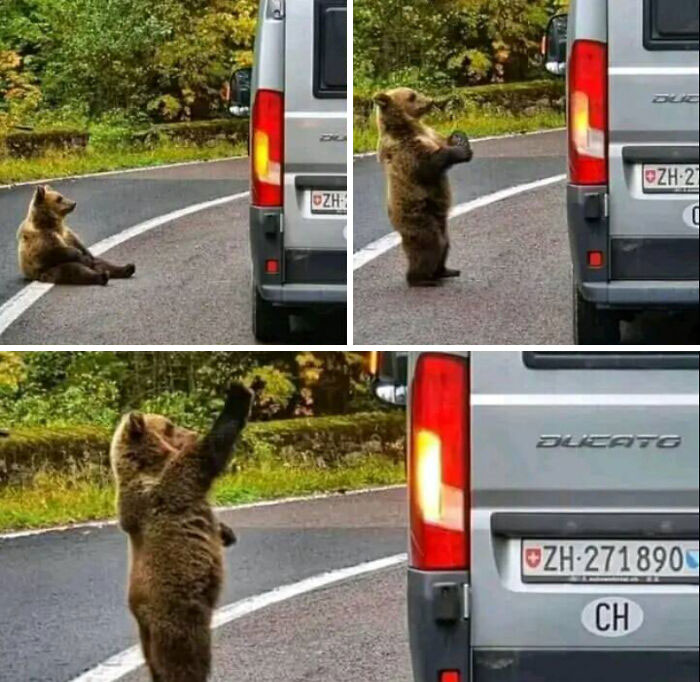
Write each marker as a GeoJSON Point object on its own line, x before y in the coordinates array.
{"type": "Point", "coordinates": [326, 201]}
{"type": "Point", "coordinates": [610, 561]}
{"type": "Point", "coordinates": [670, 178]}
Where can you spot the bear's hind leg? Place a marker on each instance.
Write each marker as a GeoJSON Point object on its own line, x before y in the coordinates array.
{"type": "Point", "coordinates": [423, 253]}
{"type": "Point", "coordinates": [443, 271]}
{"type": "Point", "coordinates": [115, 271]}
{"type": "Point", "coordinates": [181, 652]}
{"type": "Point", "coordinates": [73, 273]}
{"type": "Point", "coordinates": [145, 636]}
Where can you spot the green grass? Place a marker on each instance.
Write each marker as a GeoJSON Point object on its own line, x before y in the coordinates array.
{"type": "Point", "coordinates": [480, 125]}
{"type": "Point", "coordinates": [53, 499]}
{"type": "Point", "coordinates": [55, 165]}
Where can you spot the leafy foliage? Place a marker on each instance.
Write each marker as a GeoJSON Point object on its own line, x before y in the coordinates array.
{"type": "Point", "coordinates": [85, 59]}
{"type": "Point", "coordinates": [81, 387]}
{"type": "Point", "coordinates": [431, 44]}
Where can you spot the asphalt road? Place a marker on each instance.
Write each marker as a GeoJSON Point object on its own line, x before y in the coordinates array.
{"type": "Point", "coordinates": [514, 256]}
{"type": "Point", "coordinates": [192, 282]}
{"type": "Point", "coordinates": [63, 610]}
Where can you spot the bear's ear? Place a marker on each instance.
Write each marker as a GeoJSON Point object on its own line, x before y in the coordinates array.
{"type": "Point", "coordinates": [381, 99]}
{"type": "Point", "coordinates": [137, 425]}
{"type": "Point", "coordinates": [40, 194]}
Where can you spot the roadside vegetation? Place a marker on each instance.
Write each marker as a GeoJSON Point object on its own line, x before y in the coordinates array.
{"type": "Point", "coordinates": [315, 427]}
{"type": "Point", "coordinates": [111, 70]}
{"type": "Point", "coordinates": [476, 124]}
{"type": "Point", "coordinates": [455, 46]}
{"type": "Point", "coordinates": [60, 499]}
{"type": "Point", "coordinates": [95, 160]}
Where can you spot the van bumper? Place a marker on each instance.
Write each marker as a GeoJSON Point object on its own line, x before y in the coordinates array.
{"type": "Point", "coordinates": [584, 666]}
{"type": "Point", "coordinates": [304, 295]}
{"type": "Point", "coordinates": [438, 623]}
{"type": "Point", "coordinates": [304, 277]}
{"type": "Point", "coordinates": [641, 294]}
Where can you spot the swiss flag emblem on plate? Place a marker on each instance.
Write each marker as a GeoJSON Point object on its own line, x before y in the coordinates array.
{"type": "Point", "coordinates": [650, 175]}
{"type": "Point", "coordinates": [533, 557]}
{"type": "Point", "coordinates": [318, 199]}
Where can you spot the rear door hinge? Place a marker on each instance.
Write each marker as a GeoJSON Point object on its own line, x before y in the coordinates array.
{"type": "Point", "coordinates": [276, 9]}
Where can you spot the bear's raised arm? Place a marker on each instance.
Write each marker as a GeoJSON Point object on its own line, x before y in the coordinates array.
{"type": "Point", "coordinates": [191, 471]}
{"type": "Point", "coordinates": [216, 447]}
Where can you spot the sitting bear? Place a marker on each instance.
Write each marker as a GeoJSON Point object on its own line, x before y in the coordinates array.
{"type": "Point", "coordinates": [49, 251]}
{"type": "Point", "coordinates": [415, 160]}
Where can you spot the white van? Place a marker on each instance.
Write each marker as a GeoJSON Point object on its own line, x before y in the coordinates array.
{"type": "Point", "coordinates": [297, 95]}
{"type": "Point", "coordinates": [632, 81]}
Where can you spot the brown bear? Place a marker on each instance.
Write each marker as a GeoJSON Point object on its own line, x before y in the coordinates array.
{"type": "Point", "coordinates": [163, 475]}
{"type": "Point", "coordinates": [415, 160]}
{"type": "Point", "coordinates": [49, 251]}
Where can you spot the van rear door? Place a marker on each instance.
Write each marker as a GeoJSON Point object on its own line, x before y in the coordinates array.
{"type": "Point", "coordinates": [315, 169]}
{"type": "Point", "coordinates": [579, 449]}
{"type": "Point", "coordinates": [653, 126]}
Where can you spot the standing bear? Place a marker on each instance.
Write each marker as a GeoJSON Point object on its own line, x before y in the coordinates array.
{"type": "Point", "coordinates": [416, 159]}
{"type": "Point", "coordinates": [49, 251]}
{"type": "Point", "coordinates": [163, 475]}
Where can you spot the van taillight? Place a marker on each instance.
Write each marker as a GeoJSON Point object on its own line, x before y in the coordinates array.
{"type": "Point", "coordinates": [438, 464]}
{"type": "Point", "coordinates": [267, 155]}
{"type": "Point", "coordinates": [588, 113]}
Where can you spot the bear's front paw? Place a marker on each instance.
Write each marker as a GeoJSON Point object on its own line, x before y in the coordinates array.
{"type": "Point", "coordinates": [459, 139]}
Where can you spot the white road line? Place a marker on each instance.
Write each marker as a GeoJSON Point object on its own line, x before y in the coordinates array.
{"type": "Point", "coordinates": [234, 507]}
{"type": "Point", "coordinates": [589, 400]}
{"type": "Point", "coordinates": [123, 171]}
{"type": "Point", "coordinates": [488, 138]}
{"type": "Point", "coordinates": [389, 241]}
{"type": "Point", "coordinates": [19, 303]}
{"type": "Point", "coordinates": [129, 660]}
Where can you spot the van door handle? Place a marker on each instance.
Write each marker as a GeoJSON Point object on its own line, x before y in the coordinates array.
{"type": "Point", "coordinates": [303, 182]}
{"type": "Point", "coordinates": [660, 154]}
{"type": "Point", "coordinates": [610, 525]}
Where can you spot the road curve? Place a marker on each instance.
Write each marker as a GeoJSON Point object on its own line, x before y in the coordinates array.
{"type": "Point", "coordinates": [193, 279]}
{"type": "Point", "coordinates": [353, 632]}
{"type": "Point", "coordinates": [64, 592]}
{"type": "Point", "coordinates": [514, 256]}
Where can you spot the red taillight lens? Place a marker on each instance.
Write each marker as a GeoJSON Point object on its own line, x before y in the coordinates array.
{"type": "Point", "coordinates": [450, 676]}
{"type": "Point", "coordinates": [267, 148]}
{"type": "Point", "coordinates": [439, 463]}
{"type": "Point", "coordinates": [588, 113]}
{"type": "Point", "coordinates": [272, 267]}
{"type": "Point", "coordinates": [596, 259]}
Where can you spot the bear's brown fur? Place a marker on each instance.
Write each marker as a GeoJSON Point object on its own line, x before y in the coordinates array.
{"type": "Point", "coordinates": [415, 160]}
{"type": "Point", "coordinates": [49, 251]}
{"type": "Point", "coordinates": [163, 476]}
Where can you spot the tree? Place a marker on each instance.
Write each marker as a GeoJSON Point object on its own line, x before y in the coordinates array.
{"type": "Point", "coordinates": [166, 58]}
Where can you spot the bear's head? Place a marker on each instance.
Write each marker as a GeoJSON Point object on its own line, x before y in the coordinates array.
{"type": "Point", "coordinates": [402, 103]}
{"type": "Point", "coordinates": [51, 203]}
{"type": "Point", "coordinates": [144, 443]}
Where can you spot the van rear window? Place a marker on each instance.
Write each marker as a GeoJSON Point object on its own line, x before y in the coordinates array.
{"type": "Point", "coordinates": [671, 24]}
{"type": "Point", "coordinates": [610, 360]}
{"type": "Point", "coordinates": [330, 52]}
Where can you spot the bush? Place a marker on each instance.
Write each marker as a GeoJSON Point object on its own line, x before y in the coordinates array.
{"type": "Point", "coordinates": [196, 132]}
{"type": "Point", "coordinates": [28, 451]}
{"type": "Point", "coordinates": [26, 144]}
{"type": "Point", "coordinates": [322, 441]}
{"type": "Point", "coordinates": [512, 98]}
